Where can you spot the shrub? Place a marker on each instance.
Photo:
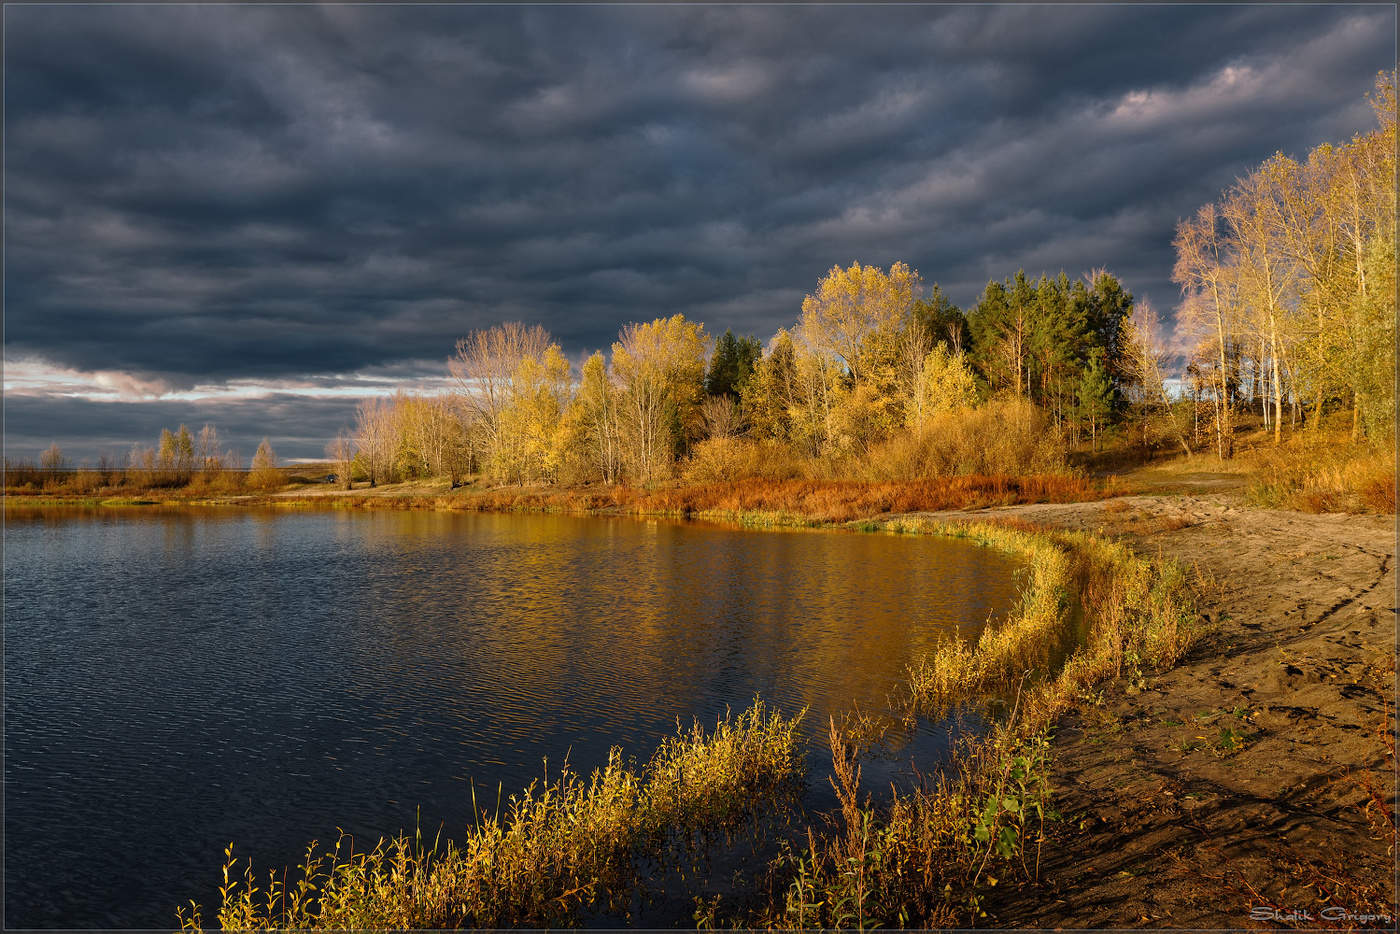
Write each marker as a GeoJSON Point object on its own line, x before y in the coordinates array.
{"type": "Point", "coordinates": [1005, 436]}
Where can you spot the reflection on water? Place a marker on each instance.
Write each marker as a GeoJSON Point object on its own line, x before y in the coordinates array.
{"type": "Point", "coordinates": [179, 679]}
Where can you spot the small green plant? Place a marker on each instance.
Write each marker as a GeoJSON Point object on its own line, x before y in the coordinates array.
{"type": "Point", "coordinates": [1230, 740]}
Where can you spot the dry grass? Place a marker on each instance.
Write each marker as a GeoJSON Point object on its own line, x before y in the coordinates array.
{"type": "Point", "coordinates": [560, 847]}
{"type": "Point", "coordinates": [1324, 476]}
{"type": "Point", "coordinates": [125, 485]}
{"type": "Point", "coordinates": [777, 502]}
{"type": "Point", "coordinates": [1003, 437]}
{"type": "Point", "coordinates": [928, 857]}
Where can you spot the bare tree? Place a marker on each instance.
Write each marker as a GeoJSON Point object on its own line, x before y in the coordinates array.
{"type": "Point", "coordinates": [721, 416]}
{"type": "Point", "coordinates": [1145, 354]}
{"type": "Point", "coordinates": [52, 461]}
{"type": "Point", "coordinates": [1209, 310]}
{"type": "Point", "coordinates": [376, 438]}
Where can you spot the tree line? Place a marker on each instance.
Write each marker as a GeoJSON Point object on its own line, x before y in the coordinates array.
{"type": "Point", "coordinates": [874, 359]}
{"type": "Point", "coordinates": [179, 458]}
{"type": "Point", "coordinates": [1288, 283]}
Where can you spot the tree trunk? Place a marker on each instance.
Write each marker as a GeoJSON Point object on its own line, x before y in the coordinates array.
{"type": "Point", "coordinates": [1278, 383]}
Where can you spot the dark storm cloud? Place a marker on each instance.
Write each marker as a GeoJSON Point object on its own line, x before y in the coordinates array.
{"type": "Point", "coordinates": [201, 193]}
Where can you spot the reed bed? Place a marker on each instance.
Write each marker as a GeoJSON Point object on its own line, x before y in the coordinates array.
{"type": "Point", "coordinates": [560, 847]}
{"type": "Point", "coordinates": [1091, 603]}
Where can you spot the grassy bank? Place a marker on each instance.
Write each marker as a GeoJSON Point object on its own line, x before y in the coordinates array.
{"type": "Point", "coordinates": [1091, 610]}
{"type": "Point", "coordinates": [748, 502]}
{"type": "Point", "coordinates": [790, 501]}
{"type": "Point", "coordinates": [928, 857]}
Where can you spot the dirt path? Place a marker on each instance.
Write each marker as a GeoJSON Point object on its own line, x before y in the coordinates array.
{"type": "Point", "coordinates": [1258, 776]}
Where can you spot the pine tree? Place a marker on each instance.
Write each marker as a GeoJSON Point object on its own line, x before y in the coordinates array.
{"type": "Point", "coordinates": [1094, 398]}
{"type": "Point", "coordinates": [732, 363]}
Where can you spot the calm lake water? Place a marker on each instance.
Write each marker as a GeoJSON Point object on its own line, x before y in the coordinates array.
{"type": "Point", "coordinates": [179, 679]}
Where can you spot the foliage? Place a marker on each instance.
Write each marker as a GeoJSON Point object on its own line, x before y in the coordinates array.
{"type": "Point", "coordinates": [945, 384]}
{"type": "Point", "coordinates": [1094, 399]}
{"type": "Point", "coordinates": [1289, 287]}
{"type": "Point", "coordinates": [658, 368]}
{"type": "Point", "coordinates": [732, 363]}
{"type": "Point", "coordinates": [1036, 338]}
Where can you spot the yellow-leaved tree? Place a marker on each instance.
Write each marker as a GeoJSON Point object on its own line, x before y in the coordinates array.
{"type": "Point", "coordinates": [659, 367]}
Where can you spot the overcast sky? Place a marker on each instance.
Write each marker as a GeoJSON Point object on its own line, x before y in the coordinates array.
{"type": "Point", "coordinates": [253, 215]}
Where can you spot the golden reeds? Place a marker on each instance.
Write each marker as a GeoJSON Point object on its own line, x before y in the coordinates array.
{"type": "Point", "coordinates": [559, 847]}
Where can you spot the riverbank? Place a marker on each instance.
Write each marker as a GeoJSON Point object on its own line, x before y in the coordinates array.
{"type": "Point", "coordinates": [1255, 776]}
{"type": "Point", "coordinates": [748, 502]}
{"type": "Point", "coordinates": [1253, 784]}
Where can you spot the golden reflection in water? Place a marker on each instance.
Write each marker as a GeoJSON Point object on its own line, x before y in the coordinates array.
{"type": "Point", "coordinates": [271, 675]}
{"type": "Point", "coordinates": [543, 618]}
{"type": "Point", "coordinates": [626, 615]}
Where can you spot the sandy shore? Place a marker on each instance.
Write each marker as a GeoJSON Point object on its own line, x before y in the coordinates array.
{"type": "Point", "coordinates": [1257, 777]}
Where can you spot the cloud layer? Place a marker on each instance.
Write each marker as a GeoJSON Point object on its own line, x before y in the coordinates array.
{"type": "Point", "coordinates": [202, 194]}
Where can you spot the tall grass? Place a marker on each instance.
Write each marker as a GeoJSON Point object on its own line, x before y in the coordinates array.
{"type": "Point", "coordinates": [928, 857]}
{"type": "Point", "coordinates": [560, 846]}
{"type": "Point", "coordinates": [1006, 436]}
{"type": "Point", "coordinates": [1317, 476]}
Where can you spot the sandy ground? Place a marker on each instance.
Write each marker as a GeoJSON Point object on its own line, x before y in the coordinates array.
{"type": "Point", "coordinates": [1257, 777]}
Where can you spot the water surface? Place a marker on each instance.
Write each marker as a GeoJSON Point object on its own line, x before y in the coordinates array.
{"type": "Point", "coordinates": [180, 679]}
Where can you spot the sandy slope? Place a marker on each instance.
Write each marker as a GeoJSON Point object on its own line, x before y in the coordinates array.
{"type": "Point", "coordinates": [1240, 778]}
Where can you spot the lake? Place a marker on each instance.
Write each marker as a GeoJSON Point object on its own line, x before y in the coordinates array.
{"type": "Point", "coordinates": [176, 679]}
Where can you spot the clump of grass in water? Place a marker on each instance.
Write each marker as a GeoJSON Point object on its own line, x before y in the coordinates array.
{"type": "Point", "coordinates": [561, 845]}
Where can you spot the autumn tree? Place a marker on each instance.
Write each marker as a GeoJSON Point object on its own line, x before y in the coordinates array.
{"type": "Point", "coordinates": [851, 306]}
{"type": "Point", "coordinates": [659, 367]}
{"type": "Point", "coordinates": [769, 396]}
{"type": "Point", "coordinates": [591, 429]}
{"type": "Point", "coordinates": [484, 365]}
{"type": "Point", "coordinates": [264, 474]}
{"type": "Point", "coordinates": [1209, 313]}
{"type": "Point", "coordinates": [1265, 274]}
{"type": "Point", "coordinates": [528, 424]}
{"type": "Point", "coordinates": [946, 384]}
